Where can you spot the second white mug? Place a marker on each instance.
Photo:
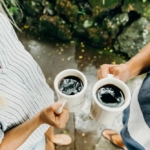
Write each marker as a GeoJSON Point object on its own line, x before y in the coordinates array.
{"type": "Point", "coordinates": [105, 114]}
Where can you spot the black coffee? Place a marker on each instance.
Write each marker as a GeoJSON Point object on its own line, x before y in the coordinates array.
{"type": "Point", "coordinates": [110, 95]}
{"type": "Point", "coordinates": [71, 85]}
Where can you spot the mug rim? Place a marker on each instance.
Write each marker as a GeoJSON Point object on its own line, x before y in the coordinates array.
{"type": "Point", "coordinates": [112, 109]}
{"type": "Point", "coordinates": [70, 96]}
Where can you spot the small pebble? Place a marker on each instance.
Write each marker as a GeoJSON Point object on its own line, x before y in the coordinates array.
{"type": "Point", "coordinates": [80, 57]}
{"type": "Point", "coordinates": [83, 134]}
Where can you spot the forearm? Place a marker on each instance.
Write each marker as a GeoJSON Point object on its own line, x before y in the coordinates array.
{"type": "Point", "coordinates": [15, 137]}
{"type": "Point", "coordinates": [140, 63]}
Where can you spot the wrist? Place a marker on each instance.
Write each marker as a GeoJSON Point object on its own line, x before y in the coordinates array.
{"type": "Point", "coordinates": [39, 119]}
{"type": "Point", "coordinates": [134, 68]}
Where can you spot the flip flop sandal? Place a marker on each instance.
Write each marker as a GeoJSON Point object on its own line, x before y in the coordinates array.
{"type": "Point", "coordinates": [62, 139]}
{"type": "Point", "coordinates": [110, 139]}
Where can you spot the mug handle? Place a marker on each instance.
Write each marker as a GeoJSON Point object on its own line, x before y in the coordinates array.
{"type": "Point", "coordinates": [59, 110]}
{"type": "Point", "coordinates": [110, 75]}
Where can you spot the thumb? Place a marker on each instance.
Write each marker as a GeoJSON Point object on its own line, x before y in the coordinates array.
{"type": "Point", "coordinates": [56, 105]}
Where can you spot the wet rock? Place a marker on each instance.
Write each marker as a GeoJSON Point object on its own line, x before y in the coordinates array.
{"type": "Point", "coordinates": [98, 36]}
{"type": "Point", "coordinates": [134, 37]}
{"type": "Point", "coordinates": [55, 26]}
{"type": "Point", "coordinates": [113, 24]}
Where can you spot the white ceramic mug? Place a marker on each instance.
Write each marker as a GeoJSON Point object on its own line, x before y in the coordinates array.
{"type": "Point", "coordinates": [104, 114]}
{"type": "Point", "coordinates": [73, 103]}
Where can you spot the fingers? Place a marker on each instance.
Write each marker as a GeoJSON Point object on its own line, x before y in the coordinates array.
{"type": "Point", "coordinates": [62, 118]}
{"type": "Point", "coordinates": [56, 106]}
{"type": "Point", "coordinates": [104, 71]}
{"type": "Point", "coordinates": [115, 70]}
{"type": "Point", "coordinates": [121, 72]}
{"type": "Point", "coordinates": [64, 115]}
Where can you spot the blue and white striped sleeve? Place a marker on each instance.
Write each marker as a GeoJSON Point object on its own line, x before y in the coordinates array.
{"type": "Point", "coordinates": [6, 25]}
{"type": "Point", "coordinates": [7, 33]}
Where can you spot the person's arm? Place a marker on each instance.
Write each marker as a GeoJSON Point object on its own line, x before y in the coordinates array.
{"type": "Point", "coordinates": [15, 137]}
{"type": "Point", "coordinates": [137, 65]}
{"type": "Point", "coordinates": [140, 63]}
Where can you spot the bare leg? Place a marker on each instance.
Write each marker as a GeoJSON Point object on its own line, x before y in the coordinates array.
{"type": "Point", "coordinates": [50, 133]}
{"type": "Point", "coordinates": [49, 145]}
{"type": "Point", "coordinates": [58, 139]}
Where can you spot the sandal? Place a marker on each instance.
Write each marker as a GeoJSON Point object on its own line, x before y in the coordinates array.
{"type": "Point", "coordinates": [61, 139]}
{"type": "Point", "coordinates": [109, 136]}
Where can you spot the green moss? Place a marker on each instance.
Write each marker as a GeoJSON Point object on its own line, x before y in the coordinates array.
{"type": "Point", "coordinates": [108, 4]}
{"type": "Point", "coordinates": [67, 9]}
{"type": "Point", "coordinates": [102, 7]}
{"type": "Point", "coordinates": [32, 8]}
{"type": "Point", "coordinates": [111, 3]}
{"type": "Point", "coordinates": [55, 26]}
{"type": "Point", "coordinates": [142, 8]}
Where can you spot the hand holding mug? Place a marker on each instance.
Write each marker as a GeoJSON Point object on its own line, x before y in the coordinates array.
{"type": "Point", "coordinates": [110, 96]}
{"type": "Point", "coordinates": [48, 115]}
{"type": "Point", "coordinates": [120, 71]}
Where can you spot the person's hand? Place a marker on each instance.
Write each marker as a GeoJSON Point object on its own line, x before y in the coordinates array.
{"type": "Point", "coordinates": [119, 71]}
{"type": "Point", "coordinates": [48, 115]}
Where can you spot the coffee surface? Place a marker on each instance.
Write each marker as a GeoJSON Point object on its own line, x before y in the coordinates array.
{"type": "Point", "coordinates": [110, 95]}
{"type": "Point", "coordinates": [71, 85]}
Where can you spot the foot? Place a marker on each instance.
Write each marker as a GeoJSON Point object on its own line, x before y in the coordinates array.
{"type": "Point", "coordinates": [61, 139]}
{"type": "Point", "coordinates": [114, 138]}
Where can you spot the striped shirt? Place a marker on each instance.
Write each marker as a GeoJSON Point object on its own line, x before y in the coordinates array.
{"type": "Point", "coordinates": [22, 85]}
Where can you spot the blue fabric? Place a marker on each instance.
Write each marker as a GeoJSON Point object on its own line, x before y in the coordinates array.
{"type": "Point", "coordinates": [130, 143]}
{"type": "Point", "coordinates": [144, 103]}
{"type": "Point", "coordinates": [144, 99]}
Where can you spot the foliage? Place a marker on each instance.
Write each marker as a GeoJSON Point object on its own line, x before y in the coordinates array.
{"type": "Point", "coordinates": [13, 9]}
{"type": "Point", "coordinates": [97, 21]}
{"type": "Point", "coordinates": [70, 11]}
{"type": "Point", "coordinates": [55, 26]}
{"type": "Point", "coordinates": [141, 7]}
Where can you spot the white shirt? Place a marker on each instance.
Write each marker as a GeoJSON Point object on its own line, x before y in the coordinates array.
{"type": "Point", "coordinates": [22, 85]}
